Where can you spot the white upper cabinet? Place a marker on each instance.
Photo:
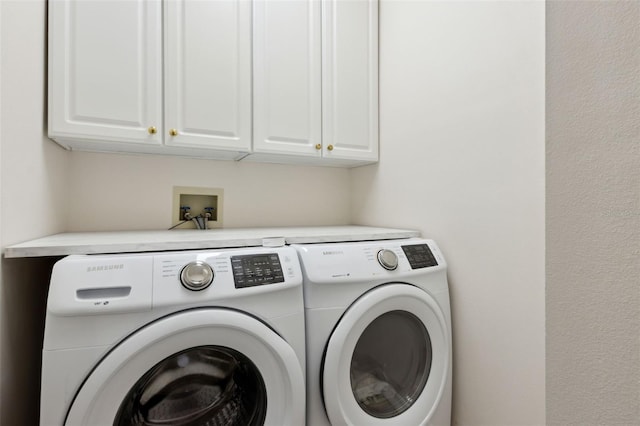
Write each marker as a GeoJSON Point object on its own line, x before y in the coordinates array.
{"type": "Point", "coordinates": [107, 91]}
{"type": "Point", "coordinates": [350, 79]}
{"type": "Point", "coordinates": [292, 81]}
{"type": "Point", "coordinates": [208, 73]}
{"type": "Point", "coordinates": [286, 77]}
{"type": "Point", "coordinates": [105, 71]}
{"type": "Point", "coordinates": [315, 81]}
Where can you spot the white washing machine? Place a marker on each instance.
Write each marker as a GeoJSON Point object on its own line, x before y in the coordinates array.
{"type": "Point", "coordinates": [175, 338]}
{"type": "Point", "coordinates": [378, 330]}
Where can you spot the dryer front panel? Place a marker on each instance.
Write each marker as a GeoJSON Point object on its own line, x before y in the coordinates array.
{"type": "Point", "coordinates": [387, 360]}
{"type": "Point", "coordinates": [201, 366]}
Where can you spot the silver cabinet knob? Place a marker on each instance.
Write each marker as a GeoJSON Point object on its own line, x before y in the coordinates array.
{"type": "Point", "coordinates": [387, 259]}
{"type": "Point", "coordinates": [196, 275]}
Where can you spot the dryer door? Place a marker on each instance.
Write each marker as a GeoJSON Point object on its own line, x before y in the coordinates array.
{"type": "Point", "coordinates": [204, 366]}
{"type": "Point", "coordinates": [387, 360]}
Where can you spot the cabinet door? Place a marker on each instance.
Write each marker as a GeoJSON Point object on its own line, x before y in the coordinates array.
{"type": "Point", "coordinates": [286, 83]}
{"type": "Point", "coordinates": [208, 74]}
{"type": "Point", "coordinates": [350, 79]}
{"type": "Point", "coordinates": [105, 71]}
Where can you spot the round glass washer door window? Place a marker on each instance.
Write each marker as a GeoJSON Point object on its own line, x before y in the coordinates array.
{"type": "Point", "coordinates": [210, 331]}
{"type": "Point", "coordinates": [391, 364]}
{"type": "Point", "coordinates": [207, 385]}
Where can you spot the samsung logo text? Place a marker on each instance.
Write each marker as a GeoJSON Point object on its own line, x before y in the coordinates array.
{"type": "Point", "coordinates": [104, 268]}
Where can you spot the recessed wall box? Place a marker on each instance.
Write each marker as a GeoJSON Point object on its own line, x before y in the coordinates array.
{"type": "Point", "coordinates": [197, 201]}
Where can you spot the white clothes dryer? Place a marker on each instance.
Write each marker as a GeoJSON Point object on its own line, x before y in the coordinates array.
{"type": "Point", "coordinates": [378, 329]}
{"type": "Point", "coordinates": [175, 338]}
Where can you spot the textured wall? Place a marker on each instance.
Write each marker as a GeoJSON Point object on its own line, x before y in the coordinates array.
{"type": "Point", "coordinates": [2, 320]}
{"type": "Point", "coordinates": [593, 213]}
{"type": "Point", "coordinates": [462, 159]}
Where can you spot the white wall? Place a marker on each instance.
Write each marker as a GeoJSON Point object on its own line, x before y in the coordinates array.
{"type": "Point", "coordinates": [32, 173]}
{"type": "Point", "coordinates": [33, 168]}
{"type": "Point", "coordinates": [593, 213]}
{"type": "Point", "coordinates": [124, 192]}
{"type": "Point", "coordinates": [462, 159]}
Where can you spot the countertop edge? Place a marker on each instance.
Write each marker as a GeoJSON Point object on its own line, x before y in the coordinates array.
{"type": "Point", "coordinates": [351, 238]}
{"type": "Point", "coordinates": [124, 242]}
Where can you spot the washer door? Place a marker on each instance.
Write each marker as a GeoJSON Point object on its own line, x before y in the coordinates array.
{"type": "Point", "coordinates": [205, 366]}
{"type": "Point", "coordinates": [387, 359]}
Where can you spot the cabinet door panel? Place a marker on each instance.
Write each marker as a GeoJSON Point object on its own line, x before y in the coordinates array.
{"type": "Point", "coordinates": [287, 92]}
{"type": "Point", "coordinates": [208, 73]}
{"type": "Point", "coordinates": [350, 79]}
{"type": "Point", "coordinates": [105, 70]}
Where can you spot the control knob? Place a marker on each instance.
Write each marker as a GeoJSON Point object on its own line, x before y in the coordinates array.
{"type": "Point", "coordinates": [388, 259]}
{"type": "Point", "coordinates": [196, 275]}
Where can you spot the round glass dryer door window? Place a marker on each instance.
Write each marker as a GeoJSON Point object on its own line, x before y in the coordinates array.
{"type": "Point", "coordinates": [208, 385]}
{"type": "Point", "coordinates": [386, 379]}
{"type": "Point", "coordinates": [387, 360]}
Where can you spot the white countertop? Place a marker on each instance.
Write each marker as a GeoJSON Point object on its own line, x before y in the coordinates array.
{"type": "Point", "coordinates": [142, 241]}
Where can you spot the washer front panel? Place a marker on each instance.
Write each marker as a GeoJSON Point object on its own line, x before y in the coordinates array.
{"type": "Point", "coordinates": [104, 284]}
{"type": "Point", "coordinates": [104, 391]}
{"type": "Point", "coordinates": [352, 392]}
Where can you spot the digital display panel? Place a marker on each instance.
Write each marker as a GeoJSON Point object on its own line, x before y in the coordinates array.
{"type": "Point", "coordinates": [419, 256]}
{"type": "Point", "coordinates": [256, 269]}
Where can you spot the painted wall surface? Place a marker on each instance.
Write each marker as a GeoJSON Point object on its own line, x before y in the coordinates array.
{"type": "Point", "coordinates": [125, 192]}
{"type": "Point", "coordinates": [34, 168]}
{"type": "Point", "coordinates": [593, 213]}
{"type": "Point", "coordinates": [32, 197]}
{"type": "Point", "coordinates": [462, 160]}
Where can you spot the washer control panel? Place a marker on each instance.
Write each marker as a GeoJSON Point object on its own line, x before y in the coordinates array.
{"type": "Point", "coordinates": [140, 282]}
{"type": "Point", "coordinates": [256, 269]}
{"type": "Point", "coordinates": [419, 256]}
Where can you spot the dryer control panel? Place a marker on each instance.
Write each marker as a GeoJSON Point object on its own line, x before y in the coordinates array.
{"type": "Point", "coordinates": [419, 256]}
{"type": "Point", "coordinates": [398, 260]}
